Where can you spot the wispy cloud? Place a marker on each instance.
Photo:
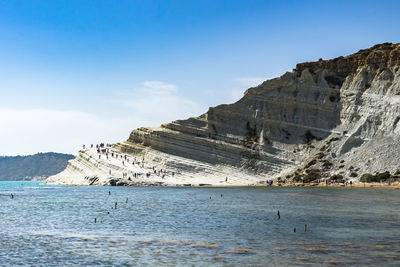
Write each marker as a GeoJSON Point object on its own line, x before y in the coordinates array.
{"type": "Point", "coordinates": [250, 81]}
{"type": "Point", "coordinates": [28, 131]}
{"type": "Point", "coordinates": [159, 102]}
{"type": "Point", "coordinates": [158, 87]}
{"type": "Point", "coordinates": [163, 108]}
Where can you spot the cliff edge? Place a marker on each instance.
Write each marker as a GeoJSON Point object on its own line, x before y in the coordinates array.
{"type": "Point", "coordinates": [325, 118]}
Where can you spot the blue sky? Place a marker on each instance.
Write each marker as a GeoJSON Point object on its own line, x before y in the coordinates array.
{"type": "Point", "coordinates": [74, 72]}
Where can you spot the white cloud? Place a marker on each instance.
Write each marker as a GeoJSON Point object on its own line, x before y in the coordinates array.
{"type": "Point", "coordinates": [28, 131]}
{"type": "Point", "coordinates": [158, 87]}
{"type": "Point", "coordinates": [250, 81]}
{"type": "Point", "coordinates": [159, 102]}
{"type": "Point", "coordinates": [162, 109]}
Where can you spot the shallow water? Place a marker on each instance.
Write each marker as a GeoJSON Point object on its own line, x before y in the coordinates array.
{"type": "Point", "coordinates": [54, 226]}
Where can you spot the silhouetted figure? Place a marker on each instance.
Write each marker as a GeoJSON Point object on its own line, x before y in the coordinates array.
{"type": "Point", "coordinates": [109, 193]}
{"type": "Point", "coordinates": [12, 196]}
{"type": "Point", "coordinates": [226, 179]}
{"type": "Point", "coordinates": [305, 228]}
{"type": "Point", "coordinates": [115, 206]}
{"type": "Point", "coordinates": [294, 230]}
{"type": "Point", "coordinates": [126, 200]}
{"type": "Point", "coordinates": [279, 215]}
{"type": "Point", "coordinates": [95, 220]}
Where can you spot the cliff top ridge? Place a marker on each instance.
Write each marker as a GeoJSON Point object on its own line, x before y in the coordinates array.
{"type": "Point", "coordinates": [378, 56]}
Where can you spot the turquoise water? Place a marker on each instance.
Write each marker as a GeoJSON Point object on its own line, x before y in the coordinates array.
{"type": "Point", "coordinates": [158, 226]}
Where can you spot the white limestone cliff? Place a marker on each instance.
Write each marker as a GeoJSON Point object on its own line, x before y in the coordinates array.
{"type": "Point", "coordinates": [328, 117]}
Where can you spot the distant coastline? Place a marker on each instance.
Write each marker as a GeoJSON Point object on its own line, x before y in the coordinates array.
{"type": "Point", "coordinates": [35, 167]}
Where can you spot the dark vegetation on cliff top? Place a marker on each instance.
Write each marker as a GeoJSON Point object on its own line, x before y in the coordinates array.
{"type": "Point", "coordinates": [26, 167]}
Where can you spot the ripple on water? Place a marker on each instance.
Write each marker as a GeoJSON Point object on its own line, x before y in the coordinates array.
{"type": "Point", "coordinates": [202, 245]}
{"type": "Point", "coordinates": [180, 226]}
{"type": "Point", "coordinates": [239, 251]}
{"type": "Point", "coordinates": [316, 248]}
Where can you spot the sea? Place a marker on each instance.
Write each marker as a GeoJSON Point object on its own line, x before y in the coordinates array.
{"type": "Point", "coordinates": [43, 225]}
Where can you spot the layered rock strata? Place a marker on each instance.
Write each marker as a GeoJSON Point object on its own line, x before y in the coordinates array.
{"type": "Point", "coordinates": [338, 116]}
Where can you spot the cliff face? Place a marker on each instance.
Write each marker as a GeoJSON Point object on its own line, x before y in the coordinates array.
{"type": "Point", "coordinates": [324, 117]}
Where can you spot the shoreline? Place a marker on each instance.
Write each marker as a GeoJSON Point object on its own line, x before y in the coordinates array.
{"type": "Point", "coordinates": [395, 185]}
{"type": "Point", "coordinates": [109, 167]}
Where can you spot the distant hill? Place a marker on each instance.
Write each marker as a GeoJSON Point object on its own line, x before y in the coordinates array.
{"type": "Point", "coordinates": [27, 167]}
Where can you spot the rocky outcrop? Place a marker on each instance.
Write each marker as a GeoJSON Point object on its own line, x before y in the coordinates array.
{"type": "Point", "coordinates": [328, 117]}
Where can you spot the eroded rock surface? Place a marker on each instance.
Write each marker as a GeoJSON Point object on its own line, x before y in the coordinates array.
{"type": "Point", "coordinates": [325, 117]}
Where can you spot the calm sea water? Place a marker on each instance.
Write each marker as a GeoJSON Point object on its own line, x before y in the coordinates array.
{"type": "Point", "coordinates": [54, 226]}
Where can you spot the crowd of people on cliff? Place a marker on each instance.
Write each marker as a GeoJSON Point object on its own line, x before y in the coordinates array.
{"type": "Point", "coordinates": [104, 150]}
